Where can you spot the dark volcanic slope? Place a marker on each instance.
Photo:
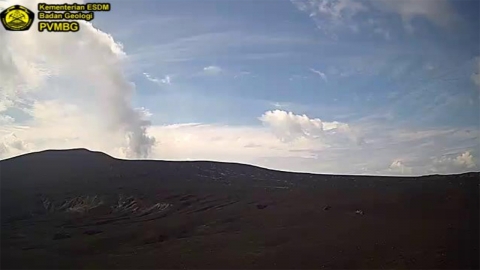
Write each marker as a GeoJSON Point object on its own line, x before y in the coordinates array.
{"type": "Point", "coordinates": [83, 209]}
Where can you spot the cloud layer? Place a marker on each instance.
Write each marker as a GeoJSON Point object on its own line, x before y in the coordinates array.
{"type": "Point", "coordinates": [212, 70]}
{"type": "Point", "coordinates": [286, 141]}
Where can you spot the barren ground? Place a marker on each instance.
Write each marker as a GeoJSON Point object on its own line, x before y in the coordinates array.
{"type": "Point", "coordinates": [82, 209]}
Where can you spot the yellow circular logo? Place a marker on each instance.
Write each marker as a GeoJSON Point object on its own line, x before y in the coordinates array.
{"type": "Point", "coordinates": [17, 18]}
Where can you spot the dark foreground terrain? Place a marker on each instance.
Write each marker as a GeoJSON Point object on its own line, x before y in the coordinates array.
{"type": "Point", "coordinates": [82, 209]}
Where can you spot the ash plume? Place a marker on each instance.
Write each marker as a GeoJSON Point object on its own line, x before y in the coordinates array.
{"type": "Point", "coordinates": [88, 68]}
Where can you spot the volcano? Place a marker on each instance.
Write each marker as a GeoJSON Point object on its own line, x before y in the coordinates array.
{"type": "Point", "coordinates": [83, 209]}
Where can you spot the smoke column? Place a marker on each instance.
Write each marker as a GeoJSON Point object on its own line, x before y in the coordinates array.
{"type": "Point", "coordinates": [90, 60]}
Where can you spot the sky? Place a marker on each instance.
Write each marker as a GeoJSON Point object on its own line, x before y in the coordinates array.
{"type": "Point", "coordinates": [377, 87]}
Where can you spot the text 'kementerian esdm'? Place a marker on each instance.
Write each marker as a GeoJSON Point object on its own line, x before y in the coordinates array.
{"type": "Point", "coordinates": [51, 17]}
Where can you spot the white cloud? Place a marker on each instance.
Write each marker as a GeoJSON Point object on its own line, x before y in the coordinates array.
{"type": "Point", "coordinates": [212, 70]}
{"type": "Point", "coordinates": [290, 127]}
{"type": "Point", "coordinates": [398, 167]}
{"type": "Point", "coordinates": [319, 73]}
{"type": "Point", "coordinates": [225, 143]}
{"type": "Point", "coordinates": [465, 160]}
{"type": "Point", "coordinates": [330, 15]}
{"type": "Point", "coordinates": [56, 124]}
{"type": "Point", "coordinates": [336, 10]}
{"type": "Point", "coordinates": [453, 164]}
{"type": "Point", "coordinates": [5, 101]}
{"type": "Point", "coordinates": [165, 80]}
{"type": "Point", "coordinates": [279, 105]}
{"type": "Point", "coordinates": [150, 78]}
{"type": "Point", "coordinates": [10, 144]}
{"type": "Point", "coordinates": [6, 119]}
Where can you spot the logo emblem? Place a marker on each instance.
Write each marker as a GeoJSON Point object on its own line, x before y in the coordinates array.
{"type": "Point", "coordinates": [17, 18]}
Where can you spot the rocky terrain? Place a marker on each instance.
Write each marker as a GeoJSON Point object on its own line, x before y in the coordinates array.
{"type": "Point", "coordinates": [82, 209]}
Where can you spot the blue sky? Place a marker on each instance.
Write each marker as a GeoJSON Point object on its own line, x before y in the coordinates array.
{"type": "Point", "coordinates": [393, 79]}
{"type": "Point", "coordinates": [366, 72]}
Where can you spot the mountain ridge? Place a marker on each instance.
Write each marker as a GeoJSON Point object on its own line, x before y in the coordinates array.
{"type": "Point", "coordinates": [79, 209]}
{"type": "Point", "coordinates": [87, 153]}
